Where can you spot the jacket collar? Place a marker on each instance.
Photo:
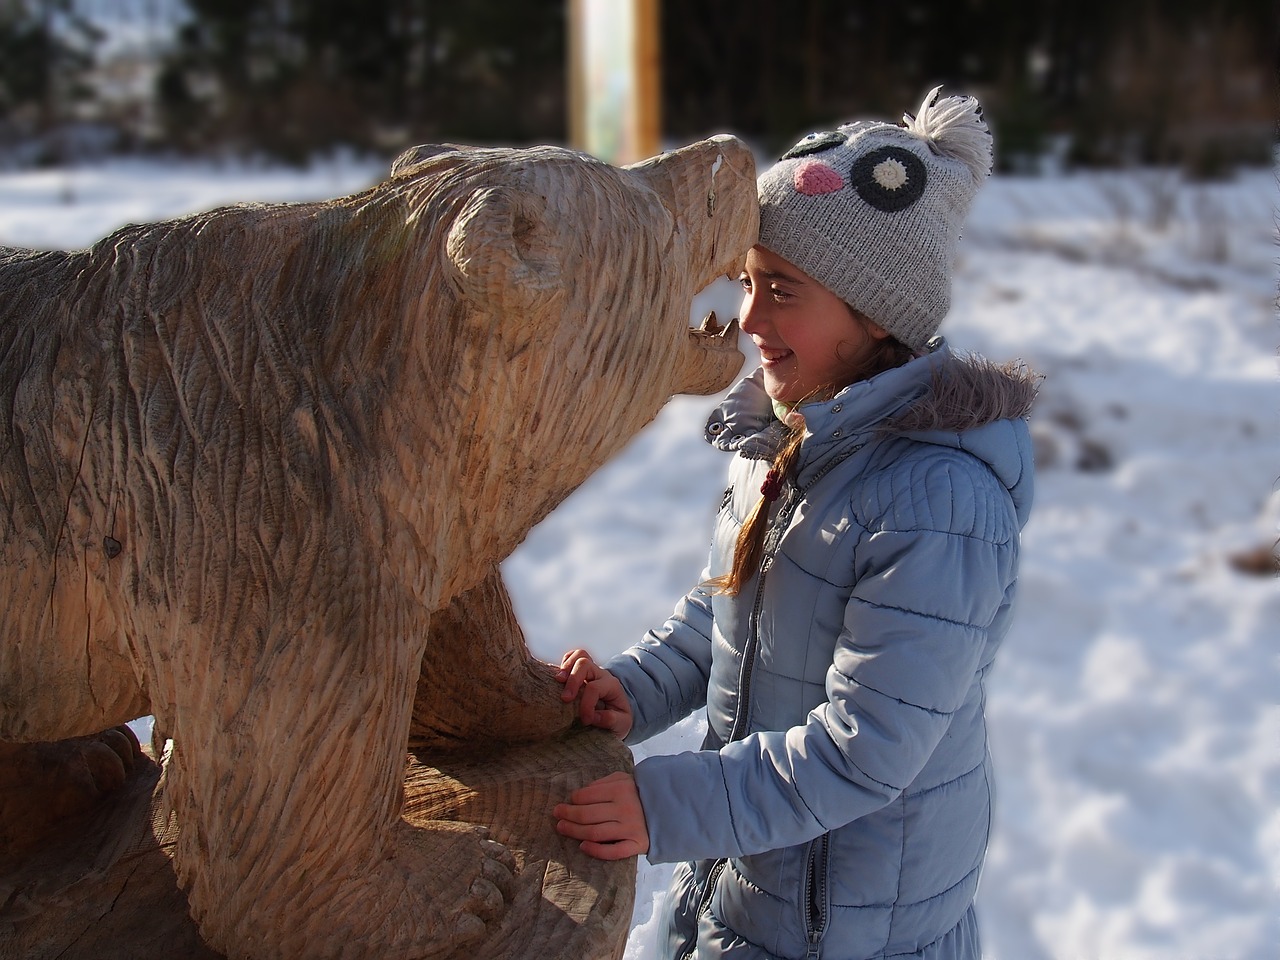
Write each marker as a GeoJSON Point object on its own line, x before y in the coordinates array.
{"type": "Point", "coordinates": [966, 403]}
{"type": "Point", "coordinates": [745, 422]}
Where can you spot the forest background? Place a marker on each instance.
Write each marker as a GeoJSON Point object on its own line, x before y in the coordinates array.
{"type": "Point", "coordinates": [1074, 83]}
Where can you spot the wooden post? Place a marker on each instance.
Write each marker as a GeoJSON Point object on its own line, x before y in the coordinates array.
{"type": "Point", "coordinates": [648, 78]}
{"type": "Point", "coordinates": [615, 79]}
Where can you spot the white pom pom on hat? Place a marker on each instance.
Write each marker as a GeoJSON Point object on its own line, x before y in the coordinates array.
{"type": "Point", "coordinates": [954, 126]}
{"type": "Point", "coordinates": [873, 210]}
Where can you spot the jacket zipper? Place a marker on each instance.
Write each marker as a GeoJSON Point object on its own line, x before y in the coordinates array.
{"type": "Point", "coordinates": [704, 904]}
{"type": "Point", "coordinates": [816, 897]}
{"type": "Point", "coordinates": [772, 541]}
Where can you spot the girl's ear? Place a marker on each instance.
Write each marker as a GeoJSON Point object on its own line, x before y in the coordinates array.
{"type": "Point", "coordinates": [878, 332]}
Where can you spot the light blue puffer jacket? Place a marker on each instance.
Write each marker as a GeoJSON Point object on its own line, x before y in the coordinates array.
{"type": "Point", "coordinates": [841, 804]}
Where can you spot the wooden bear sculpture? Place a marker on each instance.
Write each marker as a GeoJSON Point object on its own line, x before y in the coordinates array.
{"type": "Point", "coordinates": [258, 468]}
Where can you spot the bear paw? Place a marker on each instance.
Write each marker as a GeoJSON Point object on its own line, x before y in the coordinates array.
{"type": "Point", "coordinates": [43, 784]}
{"type": "Point", "coordinates": [435, 891]}
{"type": "Point", "coordinates": [467, 876]}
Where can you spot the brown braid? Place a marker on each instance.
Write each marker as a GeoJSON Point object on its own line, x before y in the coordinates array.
{"type": "Point", "coordinates": [749, 548]}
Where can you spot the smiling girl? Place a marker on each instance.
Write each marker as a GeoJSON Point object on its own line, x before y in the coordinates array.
{"type": "Point", "coordinates": [861, 578]}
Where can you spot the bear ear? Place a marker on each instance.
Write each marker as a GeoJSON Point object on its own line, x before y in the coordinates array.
{"type": "Point", "coordinates": [503, 248]}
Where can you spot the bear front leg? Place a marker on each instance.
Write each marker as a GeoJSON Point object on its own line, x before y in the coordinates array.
{"type": "Point", "coordinates": [479, 685]}
{"type": "Point", "coordinates": [286, 778]}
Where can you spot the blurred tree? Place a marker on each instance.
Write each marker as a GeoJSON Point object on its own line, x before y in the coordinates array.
{"type": "Point", "coordinates": [45, 56]}
{"type": "Point", "coordinates": [1115, 81]}
{"type": "Point", "coordinates": [773, 74]}
{"type": "Point", "coordinates": [292, 76]}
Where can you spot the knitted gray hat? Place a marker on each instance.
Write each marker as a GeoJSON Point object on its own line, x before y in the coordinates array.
{"type": "Point", "coordinates": [872, 211]}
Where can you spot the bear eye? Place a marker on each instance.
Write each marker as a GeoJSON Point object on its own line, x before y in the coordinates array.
{"type": "Point", "coordinates": [814, 143]}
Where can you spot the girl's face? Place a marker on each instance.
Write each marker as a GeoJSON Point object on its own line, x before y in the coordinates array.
{"type": "Point", "coordinates": [809, 339]}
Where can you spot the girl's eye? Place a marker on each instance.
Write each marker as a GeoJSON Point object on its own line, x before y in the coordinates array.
{"type": "Point", "coordinates": [779, 295]}
{"type": "Point", "coordinates": [745, 282]}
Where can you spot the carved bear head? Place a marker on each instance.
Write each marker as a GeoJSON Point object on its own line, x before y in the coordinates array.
{"type": "Point", "coordinates": [567, 285]}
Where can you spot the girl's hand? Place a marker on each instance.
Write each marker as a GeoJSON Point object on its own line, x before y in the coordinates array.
{"type": "Point", "coordinates": [601, 700]}
{"type": "Point", "coordinates": [607, 817]}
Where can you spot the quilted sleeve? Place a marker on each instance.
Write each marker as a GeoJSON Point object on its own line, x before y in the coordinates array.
{"type": "Point", "coordinates": [665, 674]}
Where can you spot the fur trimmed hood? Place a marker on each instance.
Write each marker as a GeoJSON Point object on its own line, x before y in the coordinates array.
{"type": "Point", "coordinates": [967, 392]}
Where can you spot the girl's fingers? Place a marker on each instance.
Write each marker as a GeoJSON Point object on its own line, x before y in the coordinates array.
{"type": "Point", "coordinates": [614, 721]}
{"type": "Point", "coordinates": [601, 700]}
{"type": "Point", "coordinates": [582, 818]}
{"type": "Point", "coordinates": [580, 672]}
{"type": "Point", "coordinates": [572, 657]}
{"type": "Point", "coordinates": [609, 832]}
{"type": "Point", "coordinates": [605, 790]}
{"type": "Point", "coordinates": [618, 850]}
{"type": "Point", "coordinates": [584, 669]}
{"type": "Point", "coordinates": [598, 823]}
{"type": "Point", "coordinates": [587, 705]}
{"type": "Point", "coordinates": [594, 711]}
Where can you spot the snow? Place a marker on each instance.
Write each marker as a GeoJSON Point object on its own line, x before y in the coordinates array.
{"type": "Point", "coordinates": [1135, 709]}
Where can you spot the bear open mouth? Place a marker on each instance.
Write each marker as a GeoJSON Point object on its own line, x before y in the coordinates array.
{"type": "Point", "coordinates": [715, 335]}
{"type": "Point", "coordinates": [713, 358]}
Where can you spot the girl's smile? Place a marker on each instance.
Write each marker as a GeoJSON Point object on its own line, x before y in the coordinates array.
{"type": "Point", "coordinates": [774, 357]}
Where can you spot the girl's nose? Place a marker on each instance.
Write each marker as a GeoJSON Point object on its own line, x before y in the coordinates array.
{"type": "Point", "coordinates": [752, 318]}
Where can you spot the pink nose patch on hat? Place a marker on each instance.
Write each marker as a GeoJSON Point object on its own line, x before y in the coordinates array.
{"type": "Point", "coordinates": [813, 178]}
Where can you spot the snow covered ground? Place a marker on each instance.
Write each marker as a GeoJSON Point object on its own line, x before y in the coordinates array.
{"type": "Point", "coordinates": [1135, 711]}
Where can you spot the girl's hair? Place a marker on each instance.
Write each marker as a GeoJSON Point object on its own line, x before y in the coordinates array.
{"type": "Point", "coordinates": [887, 354]}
